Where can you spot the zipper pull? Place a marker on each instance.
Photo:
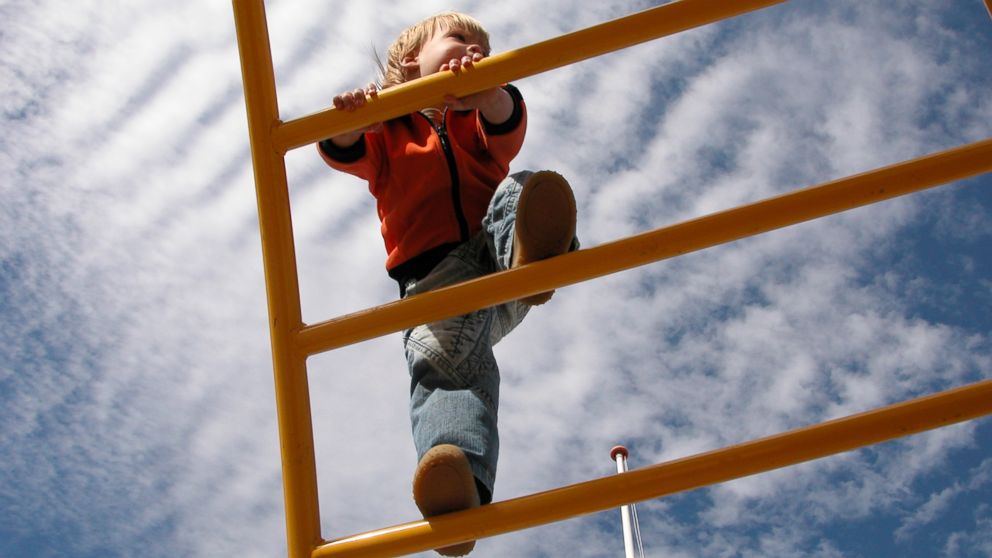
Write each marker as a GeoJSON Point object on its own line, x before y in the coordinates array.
{"type": "Point", "coordinates": [441, 131]}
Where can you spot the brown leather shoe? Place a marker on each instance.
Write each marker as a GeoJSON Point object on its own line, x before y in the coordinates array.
{"type": "Point", "coordinates": [545, 225]}
{"type": "Point", "coordinates": [444, 483]}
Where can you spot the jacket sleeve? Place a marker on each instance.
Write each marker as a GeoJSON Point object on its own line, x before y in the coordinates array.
{"type": "Point", "coordinates": [504, 140]}
{"type": "Point", "coordinates": [363, 159]}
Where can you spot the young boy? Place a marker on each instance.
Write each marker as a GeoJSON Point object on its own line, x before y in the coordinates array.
{"type": "Point", "coordinates": [450, 213]}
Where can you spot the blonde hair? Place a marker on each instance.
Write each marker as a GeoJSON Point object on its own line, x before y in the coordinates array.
{"type": "Point", "coordinates": [413, 38]}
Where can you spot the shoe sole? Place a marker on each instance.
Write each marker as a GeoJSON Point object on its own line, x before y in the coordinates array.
{"type": "Point", "coordinates": [444, 483]}
{"type": "Point", "coordinates": [545, 223]}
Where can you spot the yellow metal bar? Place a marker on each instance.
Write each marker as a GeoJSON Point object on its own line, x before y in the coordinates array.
{"type": "Point", "coordinates": [653, 23]}
{"type": "Point", "coordinates": [766, 454]}
{"type": "Point", "coordinates": [281, 282]}
{"type": "Point", "coordinates": [789, 209]}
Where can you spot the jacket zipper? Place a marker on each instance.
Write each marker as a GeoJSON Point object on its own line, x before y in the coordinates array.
{"type": "Point", "coordinates": [449, 155]}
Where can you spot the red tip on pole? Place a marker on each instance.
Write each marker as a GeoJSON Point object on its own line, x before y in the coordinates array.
{"type": "Point", "coordinates": [618, 450]}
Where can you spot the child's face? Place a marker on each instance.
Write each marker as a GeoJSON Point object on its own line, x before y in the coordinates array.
{"type": "Point", "coordinates": [443, 46]}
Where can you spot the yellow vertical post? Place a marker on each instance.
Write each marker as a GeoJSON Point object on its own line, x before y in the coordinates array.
{"type": "Point", "coordinates": [281, 282]}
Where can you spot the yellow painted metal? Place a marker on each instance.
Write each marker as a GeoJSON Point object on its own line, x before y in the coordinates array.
{"type": "Point", "coordinates": [292, 341]}
{"type": "Point", "coordinates": [766, 454]}
{"type": "Point", "coordinates": [282, 285]}
{"type": "Point", "coordinates": [509, 66]}
{"type": "Point", "coordinates": [795, 207]}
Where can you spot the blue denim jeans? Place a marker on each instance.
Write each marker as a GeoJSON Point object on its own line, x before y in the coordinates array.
{"type": "Point", "coordinates": [454, 388]}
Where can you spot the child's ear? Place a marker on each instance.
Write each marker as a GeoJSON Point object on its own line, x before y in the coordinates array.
{"type": "Point", "coordinates": [411, 65]}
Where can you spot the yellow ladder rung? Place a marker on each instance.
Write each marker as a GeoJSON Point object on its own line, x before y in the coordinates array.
{"type": "Point", "coordinates": [789, 448]}
{"type": "Point", "coordinates": [704, 232]}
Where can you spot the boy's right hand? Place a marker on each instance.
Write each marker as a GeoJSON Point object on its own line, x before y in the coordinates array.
{"type": "Point", "coordinates": [350, 101]}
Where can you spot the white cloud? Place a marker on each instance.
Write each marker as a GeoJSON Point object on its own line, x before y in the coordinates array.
{"type": "Point", "coordinates": [976, 542]}
{"type": "Point", "coordinates": [136, 384]}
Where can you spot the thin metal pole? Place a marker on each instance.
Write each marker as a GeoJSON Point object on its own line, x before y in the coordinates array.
{"type": "Point", "coordinates": [513, 65]}
{"type": "Point", "coordinates": [789, 448]}
{"type": "Point", "coordinates": [619, 454]}
{"type": "Point", "coordinates": [281, 282]}
{"type": "Point", "coordinates": [763, 216]}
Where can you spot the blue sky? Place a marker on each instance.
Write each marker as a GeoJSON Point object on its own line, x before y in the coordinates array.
{"type": "Point", "coordinates": [135, 383]}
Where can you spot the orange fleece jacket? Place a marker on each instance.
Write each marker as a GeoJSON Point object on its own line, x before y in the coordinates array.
{"type": "Point", "coordinates": [432, 184]}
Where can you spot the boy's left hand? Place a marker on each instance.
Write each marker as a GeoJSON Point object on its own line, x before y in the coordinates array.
{"type": "Point", "coordinates": [467, 61]}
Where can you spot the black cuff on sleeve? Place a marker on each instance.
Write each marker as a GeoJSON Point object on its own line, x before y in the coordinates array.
{"type": "Point", "coordinates": [348, 154]}
{"type": "Point", "coordinates": [513, 121]}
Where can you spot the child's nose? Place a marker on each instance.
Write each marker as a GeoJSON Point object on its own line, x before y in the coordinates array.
{"type": "Point", "coordinates": [473, 48]}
